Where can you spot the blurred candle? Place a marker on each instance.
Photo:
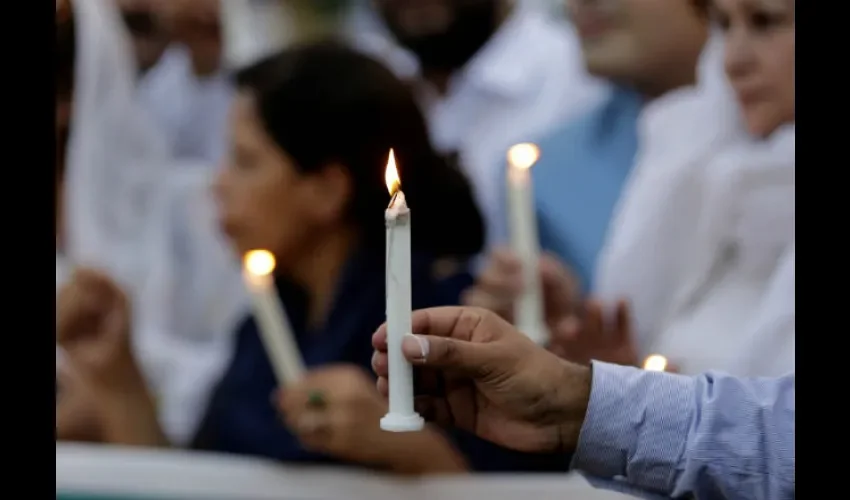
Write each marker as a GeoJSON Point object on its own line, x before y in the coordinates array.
{"type": "Point", "coordinates": [655, 363]}
{"type": "Point", "coordinates": [401, 417]}
{"type": "Point", "coordinates": [272, 321]}
{"type": "Point", "coordinates": [528, 311]}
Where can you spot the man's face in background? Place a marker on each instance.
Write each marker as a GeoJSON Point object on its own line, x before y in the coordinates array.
{"type": "Point", "coordinates": [444, 34]}
{"type": "Point", "coordinates": [149, 35]}
{"type": "Point", "coordinates": [638, 41]}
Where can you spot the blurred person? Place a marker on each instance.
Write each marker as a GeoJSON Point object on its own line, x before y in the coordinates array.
{"type": "Point", "coordinates": [189, 92]}
{"type": "Point", "coordinates": [124, 206]}
{"type": "Point", "coordinates": [305, 179]}
{"type": "Point", "coordinates": [703, 243]}
{"type": "Point", "coordinates": [698, 264]}
{"type": "Point", "coordinates": [649, 434]}
{"type": "Point", "coordinates": [645, 50]}
{"type": "Point", "coordinates": [489, 73]}
{"type": "Point", "coordinates": [150, 38]}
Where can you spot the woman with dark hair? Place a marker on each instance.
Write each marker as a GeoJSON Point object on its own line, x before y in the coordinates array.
{"type": "Point", "coordinates": [311, 131]}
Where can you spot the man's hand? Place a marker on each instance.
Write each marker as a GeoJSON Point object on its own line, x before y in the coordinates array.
{"type": "Point", "coordinates": [480, 374]}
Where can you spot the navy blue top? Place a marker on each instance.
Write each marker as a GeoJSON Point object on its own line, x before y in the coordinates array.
{"type": "Point", "coordinates": [241, 418]}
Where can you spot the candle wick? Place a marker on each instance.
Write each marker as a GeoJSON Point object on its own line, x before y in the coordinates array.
{"type": "Point", "coordinates": [392, 200]}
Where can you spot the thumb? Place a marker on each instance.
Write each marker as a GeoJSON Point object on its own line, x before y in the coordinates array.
{"type": "Point", "coordinates": [444, 352]}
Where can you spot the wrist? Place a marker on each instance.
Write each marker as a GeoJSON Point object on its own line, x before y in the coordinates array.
{"type": "Point", "coordinates": [131, 418]}
{"type": "Point", "coordinates": [123, 383]}
{"type": "Point", "coordinates": [572, 397]}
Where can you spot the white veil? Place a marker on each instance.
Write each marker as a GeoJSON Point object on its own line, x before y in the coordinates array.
{"type": "Point", "coordinates": [673, 145]}
{"type": "Point", "coordinates": [150, 225]}
{"type": "Point", "coordinates": [699, 178]}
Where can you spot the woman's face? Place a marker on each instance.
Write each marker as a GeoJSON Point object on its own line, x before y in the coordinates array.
{"type": "Point", "coordinates": [264, 201]}
{"type": "Point", "coordinates": [760, 59]}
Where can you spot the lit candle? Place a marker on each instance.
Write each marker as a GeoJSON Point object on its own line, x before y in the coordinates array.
{"type": "Point", "coordinates": [401, 417]}
{"type": "Point", "coordinates": [655, 363]}
{"type": "Point", "coordinates": [528, 310]}
{"type": "Point", "coordinates": [272, 321]}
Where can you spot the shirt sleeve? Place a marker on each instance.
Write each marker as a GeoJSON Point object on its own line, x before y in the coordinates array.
{"type": "Point", "coordinates": [711, 436]}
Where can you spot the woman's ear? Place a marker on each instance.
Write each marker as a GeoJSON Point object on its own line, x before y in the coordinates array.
{"type": "Point", "coordinates": [331, 192]}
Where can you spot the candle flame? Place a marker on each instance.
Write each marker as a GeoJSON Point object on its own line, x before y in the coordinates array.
{"type": "Point", "coordinates": [655, 363]}
{"type": "Point", "coordinates": [259, 262]}
{"type": "Point", "coordinates": [391, 175]}
{"type": "Point", "coordinates": [523, 155]}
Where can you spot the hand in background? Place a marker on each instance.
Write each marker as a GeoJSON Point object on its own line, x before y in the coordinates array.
{"type": "Point", "coordinates": [93, 328]}
{"type": "Point", "coordinates": [482, 375]}
{"type": "Point", "coordinates": [593, 336]}
{"type": "Point", "coordinates": [337, 411]}
{"type": "Point", "coordinates": [500, 284]}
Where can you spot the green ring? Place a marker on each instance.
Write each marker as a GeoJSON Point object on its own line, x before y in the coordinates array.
{"type": "Point", "coordinates": [316, 400]}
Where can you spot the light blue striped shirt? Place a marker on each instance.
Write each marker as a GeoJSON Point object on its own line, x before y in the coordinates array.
{"type": "Point", "coordinates": [710, 436]}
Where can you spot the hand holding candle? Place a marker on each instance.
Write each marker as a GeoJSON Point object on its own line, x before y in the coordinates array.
{"type": "Point", "coordinates": [528, 313]}
{"type": "Point", "coordinates": [401, 417]}
{"type": "Point", "coordinates": [272, 321]}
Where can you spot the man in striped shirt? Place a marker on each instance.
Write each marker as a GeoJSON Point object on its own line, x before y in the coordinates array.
{"type": "Point", "coordinates": [653, 434]}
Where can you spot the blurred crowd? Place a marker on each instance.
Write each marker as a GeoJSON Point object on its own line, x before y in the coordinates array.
{"type": "Point", "coordinates": [190, 132]}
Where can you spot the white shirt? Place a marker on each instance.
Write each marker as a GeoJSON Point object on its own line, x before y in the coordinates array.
{"type": "Point", "coordinates": [528, 78]}
{"type": "Point", "coordinates": [192, 112]}
{"type": "Point", "coordinates": [702, 243]}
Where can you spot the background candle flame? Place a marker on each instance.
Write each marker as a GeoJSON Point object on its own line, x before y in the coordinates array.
{"type": "Point", "coordinates": [523, 155]}
{"type": "Point", "coordinates": [391, 175]}
{"type": "Point", "coordinates": [655, 363]}
{"type": "Point", "coordinates": [259, 262]}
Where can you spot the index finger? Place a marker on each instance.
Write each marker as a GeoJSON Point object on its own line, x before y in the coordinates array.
{"type": "Point", "coordinates": [450, 321]}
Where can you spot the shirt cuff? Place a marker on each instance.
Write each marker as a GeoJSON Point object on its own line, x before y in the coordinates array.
{"type": "Point", "coordinates": [636, 427]}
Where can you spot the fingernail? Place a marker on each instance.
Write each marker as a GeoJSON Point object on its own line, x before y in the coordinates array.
{"type": "Point", "coordinates": [415, 347]}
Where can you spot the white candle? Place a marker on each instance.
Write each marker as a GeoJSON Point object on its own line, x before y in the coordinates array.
{"type": "Point", "coordinates": [528, 310]}
{"type": "Point", "coordinates": [272, 322]}
{"type": "Point", "coordinates": [655, 363]}
{"type": "Point", "coordinates": [401, 417]}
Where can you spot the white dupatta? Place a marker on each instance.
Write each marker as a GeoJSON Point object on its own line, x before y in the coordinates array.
{"type": "Point", "coordinates": [700, 186]}
{"type": "Point", "coordinates": [132, 212]}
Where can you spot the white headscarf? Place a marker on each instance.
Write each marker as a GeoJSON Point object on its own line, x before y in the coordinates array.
{"type": "Point", "coordinates": [131, 211]}
{"type": "Point", "coordinates": [700, 183]}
